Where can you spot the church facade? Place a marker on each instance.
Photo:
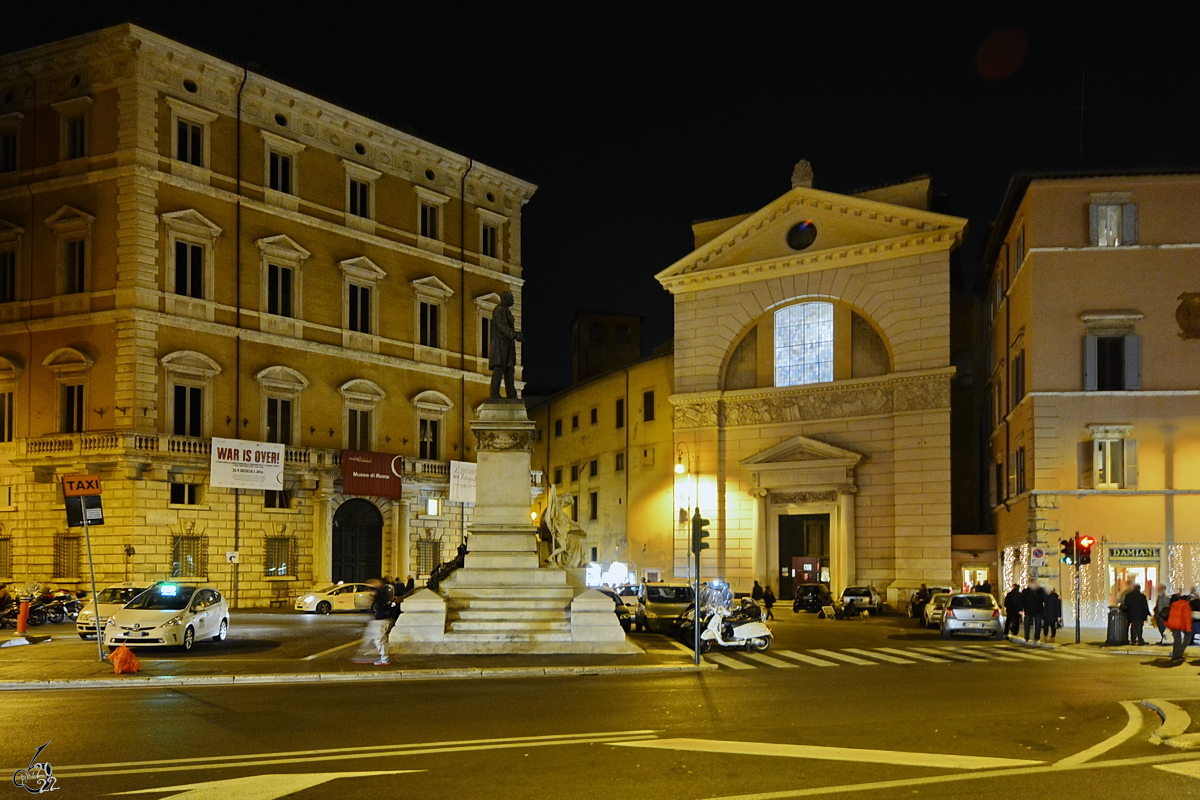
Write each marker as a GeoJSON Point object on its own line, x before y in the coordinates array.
{"type": "Point", "coordinates": [812, 380]}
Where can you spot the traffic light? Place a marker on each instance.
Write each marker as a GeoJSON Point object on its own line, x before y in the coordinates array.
{"type": "Point", "coordinates": [1083, 548]}
{"type": "Point", "coordinates": [699, 532]}
{"type": "Point", "coordinates": [1068, 551]}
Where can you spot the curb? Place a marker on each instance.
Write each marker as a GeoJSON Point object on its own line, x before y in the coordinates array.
{"type": "Point", "coordinates": [134, 682]}
{"type": "Point", "coordinates": [1175, 722]}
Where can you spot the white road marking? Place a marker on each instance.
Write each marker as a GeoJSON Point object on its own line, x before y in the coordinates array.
{"type": "Point", "coordinates": [821, 753]}
{"type": "Point", "coordinates": [1027, 656]}
{"type": "Point", "coordinates": [333, 649]}
{"type": "Point", "coordinates": [816, 662]}
{"type": "Point", "coordinates": [1132, 726]}
{"type": "Point", "coordinates": [880, 656]}
{"type": "Point", "coordinates": [1059, 654]}
{"type": "Point", "coordinates": [257, 787]}
{"type": "Point", "coordinates": [848, 659]}
{"type": "Point", "coordinates": [911, 654]}
{"type": "Point", "coordinates": [341, 753]}
{"type": "Point", "coordinates": [947, 654]}
{"type": "Point", "coordinates": [826, 791]}
{"type": "Point", "coordinates": [1190, 769]}
{"type": "Point", "coordinates": [680, 646]}
{"type": "Point", "coordinates": [726, 661]}
{"type": "Point", "coordinates": [774, 662]}
{"type": "Point", "coordinates": [980, 653]}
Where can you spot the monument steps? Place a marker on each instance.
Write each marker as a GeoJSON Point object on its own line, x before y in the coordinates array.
{"type": "Point", "coordinates": [511, 626]}
{"type": "Point", "coordinates": [517, 613]}
{"type": "Point", "coordinates": [518, 595]}
{"type": "Point", "coordinates": [493, 636]}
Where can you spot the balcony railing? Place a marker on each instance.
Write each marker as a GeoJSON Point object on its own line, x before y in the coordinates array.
{"type": "Point", "coordinates": [191, 448]}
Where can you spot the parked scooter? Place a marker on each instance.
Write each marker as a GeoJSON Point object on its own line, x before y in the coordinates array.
{"type": "Point", "coordinates": [723, 629]}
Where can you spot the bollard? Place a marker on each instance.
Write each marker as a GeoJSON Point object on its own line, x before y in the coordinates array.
{"type": "Point", "coordinates": [23, 618]}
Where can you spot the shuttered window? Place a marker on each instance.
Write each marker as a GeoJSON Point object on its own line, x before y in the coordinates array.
{"type": "Point", "coordinates": [1113, 224]}
{"type": "Point", "coordinates": [1112, 363]}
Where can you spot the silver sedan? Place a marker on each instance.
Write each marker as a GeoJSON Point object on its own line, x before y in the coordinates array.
{"type": "Point", "coordinates": [975, 613]}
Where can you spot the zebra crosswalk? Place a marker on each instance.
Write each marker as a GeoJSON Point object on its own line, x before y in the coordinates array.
{"type": "Point", "coordinates": [875, 656]}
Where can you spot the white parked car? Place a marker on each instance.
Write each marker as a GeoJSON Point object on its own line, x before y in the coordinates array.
{"type": "Point", "coordinates": [935, 608]}
{"type": "Point", "coordinates": [169, 614]}
{"type": "Point", "coordinates": [112, 600]}
{"type": "Point", "coordinates": [336, 597]}
{"type": "Point", "coordinates": [865, 598]}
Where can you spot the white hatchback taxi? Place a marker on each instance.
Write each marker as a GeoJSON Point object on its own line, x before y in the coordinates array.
{"type": "Point", "coordinates": [169, 615]}
{"type": "Point", "coordinates": [336, 597]}
{"type": "Point", "coordinates": [112, 600]}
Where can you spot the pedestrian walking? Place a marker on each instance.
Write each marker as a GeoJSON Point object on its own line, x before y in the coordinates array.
{"type": "Point", "coordinates": [1161, 607]}
{"type": "Point", "coordinates": [1012, 611]}
{"type": "Point", "coordinates": [1033, 599]}
{"type": "Point", "coordinates": [756, 594]}
{"type": "Point", "coordinates": [769, 601]}
{"type": "Point", "coordinates": [1179, 622]}
{"type": "Point", "coordinates": [375, 634]}
{"type": "Point", "coordinates": [1051, 615]}
{"type": "Point", "coordinates": [1136, 610]}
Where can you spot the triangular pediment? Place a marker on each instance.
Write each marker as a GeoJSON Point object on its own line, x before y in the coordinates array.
{"type": "Point", "coordinates": [69, 218]}
{"type": "Point", "coordinates": [843, 229]}
{"type": "Point", "coordinates": [432, 285]}
{"type": "Point", "coordinates": [191, 221]}
{"type": "Point", "coordinates": [283, 246]}
{"type": "Point", "coordinates": [801, 450]}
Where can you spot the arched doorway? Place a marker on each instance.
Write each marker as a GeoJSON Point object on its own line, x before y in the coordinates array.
{"type": "Point", "coordinates": [357, 541]}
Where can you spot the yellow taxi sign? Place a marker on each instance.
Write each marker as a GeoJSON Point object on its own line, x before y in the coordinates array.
{"type": "Point", "coordinates": [81, 485]}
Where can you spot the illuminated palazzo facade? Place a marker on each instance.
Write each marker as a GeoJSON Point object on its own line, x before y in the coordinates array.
{"type": "Point", "coordinates": [1094, 302]}
{"type": "Point", "coordinates": [190, 250]}
{"type": "Point", "coordinates": [812, 380]}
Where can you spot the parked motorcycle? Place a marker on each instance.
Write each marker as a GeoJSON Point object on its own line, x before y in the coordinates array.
{"type": "Point", "coordinates": [724, 628]}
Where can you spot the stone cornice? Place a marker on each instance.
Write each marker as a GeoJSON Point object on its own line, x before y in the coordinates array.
{"type": "Point", "coordinates": [892, 394]}
{"type": "Point", "coordinates": [896, 247]}
{"type": "Point", "coordinates": [103, 58]}
{"type": "Point", "coordinates": [113, 173]}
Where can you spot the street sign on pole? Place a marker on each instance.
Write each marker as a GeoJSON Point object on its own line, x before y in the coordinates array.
{"type": "Point", "coordinates": [85, 491]}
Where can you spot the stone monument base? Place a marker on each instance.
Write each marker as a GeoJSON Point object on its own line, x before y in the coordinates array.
{"type": "Point", "coordinates": [502, 600]}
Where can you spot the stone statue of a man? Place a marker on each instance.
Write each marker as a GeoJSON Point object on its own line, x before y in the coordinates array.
{"type": "Point", "coordinates": [502, 350]}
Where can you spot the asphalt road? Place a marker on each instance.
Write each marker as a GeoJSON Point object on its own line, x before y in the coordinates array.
{"type": "Point", "coordinates": [980, 727]}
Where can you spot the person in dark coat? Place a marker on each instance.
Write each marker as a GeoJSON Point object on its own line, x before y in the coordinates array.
{"type": "Point", "coordinates": [1051, 615]}
{"type": "Point", "coordinates": [769, 601]}
{"type": "Point", "coordinates": [1033, 601]}
{"type": "Point", "coordinates": [1136, 610]}
{"type": "Point", "coordinates": [502, 351]}
{"type": "Point", "coordinates": [1012, 611]}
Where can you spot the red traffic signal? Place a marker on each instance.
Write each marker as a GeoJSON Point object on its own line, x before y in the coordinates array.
{"type": "Point", "coordinates": [1083, 548]}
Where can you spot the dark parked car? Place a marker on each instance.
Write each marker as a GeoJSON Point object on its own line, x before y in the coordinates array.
{"type": "Point", "coordinates": [624, 612]}
{"type": "Point", "coordinates": [660, 606]}
{"type": "Point", "coordinates": [811, 597]}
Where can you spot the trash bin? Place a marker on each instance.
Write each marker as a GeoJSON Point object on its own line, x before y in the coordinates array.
{"type": "Point", "coordinates": [1118, 627]}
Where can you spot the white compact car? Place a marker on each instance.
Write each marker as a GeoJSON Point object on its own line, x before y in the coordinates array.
{"type": "Point", "coordinates": [336, 597]}
{"type": "Point", "coordinates": [169, 614]}
{"type": "Point", "coordinates": [865, 598]}
{"type": "Point", "coordinates": [112, 600]}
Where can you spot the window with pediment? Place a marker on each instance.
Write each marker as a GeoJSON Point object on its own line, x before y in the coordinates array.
{"type": "Point", "coordinates": [279, 409]}
{"type": "Point", "coordinates": [190, 242]}
{"type": "Point", "coordinates": [431, 407]}
{"type": "Point", "coordinates": [189, 386]}
{"type": "Point", "coordinates": [430, 295]}
{"type": "Point", "coordinates": [359, 401]}
{"type": "Point", "coordinates": [73, 234]}
{"type": "Point", "coordinates": [281, 283]}
{"type": "Point", "coordinates": [71, 369]}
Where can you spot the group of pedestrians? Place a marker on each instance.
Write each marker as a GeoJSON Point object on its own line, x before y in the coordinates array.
{"type": "Point", "coordinates": [765, 598]}
{"type": "Point", "coordinates": [1041, 612]}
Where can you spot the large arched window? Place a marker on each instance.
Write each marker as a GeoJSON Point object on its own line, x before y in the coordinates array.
{"type": "Point", "coordinates": [804, 344]}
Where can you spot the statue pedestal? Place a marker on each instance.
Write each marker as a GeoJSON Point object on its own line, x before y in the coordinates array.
{"type": "Point", "coordinates": [502, 600]}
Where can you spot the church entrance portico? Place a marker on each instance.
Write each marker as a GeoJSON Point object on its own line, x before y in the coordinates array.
{"type": "Point", "coordinates": [805, 491]}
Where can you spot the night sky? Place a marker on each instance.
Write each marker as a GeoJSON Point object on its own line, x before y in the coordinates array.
{"type": "Point", "coordinates": [635, 124]}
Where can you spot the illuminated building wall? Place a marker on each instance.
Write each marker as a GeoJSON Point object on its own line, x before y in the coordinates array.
{"type": "Point", "coordinates": [1095, 383]}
